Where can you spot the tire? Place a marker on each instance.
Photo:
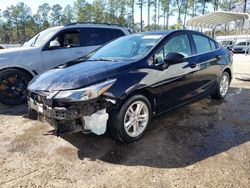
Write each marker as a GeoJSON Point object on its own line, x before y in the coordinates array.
{"type": "Point", "coordinates": [121, 117]}
{"type": "Point", "coordinates": [13, 87]}
{"type": "Point", "coordinates": [220, 93]}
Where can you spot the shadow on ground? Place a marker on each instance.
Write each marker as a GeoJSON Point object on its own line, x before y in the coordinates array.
{"type": "Point", "coordinates": [13, 110]}
{"type": "Point", "coordinates": [179, 138]}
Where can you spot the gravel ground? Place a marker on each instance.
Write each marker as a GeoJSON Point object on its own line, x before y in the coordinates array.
{"type": "Point", "coordinates": [205, 144]}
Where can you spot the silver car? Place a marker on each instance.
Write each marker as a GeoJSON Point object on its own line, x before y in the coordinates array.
{"type": "Point", "coordinates": [241, 47]}
{"type": "Point", "coordinates": [49, 48]}
{"type": "Point", "coordinates": [228, 44]}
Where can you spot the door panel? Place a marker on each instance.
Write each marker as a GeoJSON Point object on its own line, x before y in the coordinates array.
{"type": "Point", "coordinates": [52, 58]}
{"type": "Point", "coordinates": [70, 48]}
{"type": "Point", "coordinates": [207, 59]}
{"type": "Point", "coordinates": [178, 82]}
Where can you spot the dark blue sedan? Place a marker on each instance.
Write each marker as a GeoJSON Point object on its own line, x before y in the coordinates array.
{"type": "Point", "coordinates": [122, 85]}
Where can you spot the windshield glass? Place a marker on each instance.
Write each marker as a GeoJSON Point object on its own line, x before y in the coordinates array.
{"type": "Point", "coordinates": [226, 42]}
{"type": "Point", "coordinates": [130, 47]}
{"type": "Point", "coordinates": [40, 38]}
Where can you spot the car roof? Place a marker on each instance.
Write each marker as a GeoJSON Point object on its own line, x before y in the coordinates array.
{"type": "Point", "coordinates": [159, 32]}
{"type": "Point", "coordinates": [167, 32]}
{"type": "Point", "coordinates": [90, 24]}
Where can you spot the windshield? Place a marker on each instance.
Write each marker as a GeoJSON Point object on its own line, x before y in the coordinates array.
{"type": "Point", "coordinates": [130, 47]}
{"type": "Point", "coordinates": [40, 38]}
{"type": "Point", "coordinates": [226, 42]}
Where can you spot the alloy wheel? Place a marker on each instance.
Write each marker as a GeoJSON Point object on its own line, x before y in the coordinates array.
{"type": "Point", "coordinates": [224, 85]}
{"type": "Point", "coordinates": [13, 87]}
{"type": "Point", "coordinates": [136, 119]}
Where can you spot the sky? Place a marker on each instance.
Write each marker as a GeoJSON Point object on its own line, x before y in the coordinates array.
{"type": "Point", "coordinates": [33, 4]}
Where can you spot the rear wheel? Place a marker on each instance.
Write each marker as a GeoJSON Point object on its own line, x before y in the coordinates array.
{"type": "Point", "coordinates": [132, 120]}
{"type": "Point", "coordinates": [222, 88]}
{"type": "Point", "coordinates": [13, 87]}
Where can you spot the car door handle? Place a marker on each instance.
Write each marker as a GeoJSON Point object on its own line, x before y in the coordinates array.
{"type": "Point", "coordinates": [192, 65]}
{"type": "Point", "coordinates": [218, 57]}
{"type": "Point", "coordinates": [78, 52]}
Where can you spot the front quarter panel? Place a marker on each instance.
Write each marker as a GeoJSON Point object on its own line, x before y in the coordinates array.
{"type": "Point", "coordinates": [131, 81]}
{"type": "Point", "coordinates": [25, 58]}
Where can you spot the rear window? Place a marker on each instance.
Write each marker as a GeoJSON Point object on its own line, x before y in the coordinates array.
{"type": "Point", "coordinates": [95, 36]}
{"type": "Point", "coordinates": [213, 44]}
{"type": "Point", "coordinates": [202, 43]}
{"type": "Point", "coordinates": [100, 36]}
{"type": "Point", "coordinates": [115, 33]}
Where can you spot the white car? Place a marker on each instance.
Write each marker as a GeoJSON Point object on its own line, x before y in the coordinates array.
{"type": "Point", "coordinates": [49, 48]}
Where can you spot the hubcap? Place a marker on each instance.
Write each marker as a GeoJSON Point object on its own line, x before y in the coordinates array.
{"type": "Point", "coordinates": [136, 118]}
{"type": "Point", "coordinates": [224, 85]}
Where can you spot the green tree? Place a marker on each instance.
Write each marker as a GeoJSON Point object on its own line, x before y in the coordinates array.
{"type": "Point", "coordinates": [180, 6]}
{"type": "Point", "coordinates": [121, 12]}
{"type": "Point", "coordinates": [79, 7]}
{"type": "Point", "coordinates": [56, 14]}
{"type": "Point", "coordinates": [165, 5]}
{"type": "Point", "coordinates": [204, 4]}
{"type": "Point", "coordinates": [112, 11]}
{"type": "Point", "coordinates": [227, 5]}
{"type": "Point", "coordinates": [42, 16]}
{"type": "Point", "coordinates": [68, 15]}
{"type": "Point", "coordinates": [17, 17]}
{"type": "Point", "coordinates": [98, 11]}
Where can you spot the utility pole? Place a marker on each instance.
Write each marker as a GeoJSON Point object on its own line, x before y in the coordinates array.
{"type": "Point", "coordinates": [245, 6]}
{"type": "Point", "coordinates": [244, 10]}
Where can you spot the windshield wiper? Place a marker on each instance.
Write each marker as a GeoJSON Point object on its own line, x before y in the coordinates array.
{"type": "Point", "coordinates": [101, 59]}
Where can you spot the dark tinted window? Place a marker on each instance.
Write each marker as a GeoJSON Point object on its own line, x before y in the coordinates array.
{"type": "Point", "coordinates": [95, 36]}
{"type": "Point", "coordinates": [202, 43]}
{"type": "Point", "coordinates": [115, 33]}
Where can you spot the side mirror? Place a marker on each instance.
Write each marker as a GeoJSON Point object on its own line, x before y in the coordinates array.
{"type": "Point", "coordinates": [54, 44]}
{"type": "Point", "coordinates": [174, 57]}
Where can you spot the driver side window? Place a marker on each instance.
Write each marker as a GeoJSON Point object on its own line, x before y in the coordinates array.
{"type": "Point", "coordinates": [69, 39]}
{"type": "Point", "coordinates": [179, 43]}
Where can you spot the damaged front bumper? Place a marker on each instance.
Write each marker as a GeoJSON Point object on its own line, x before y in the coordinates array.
{"type": "Point", "coordinates": [72, 117]}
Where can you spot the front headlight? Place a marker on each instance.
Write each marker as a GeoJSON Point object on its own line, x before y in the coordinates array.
{"type": "Point", "coordinates": [85, 94]}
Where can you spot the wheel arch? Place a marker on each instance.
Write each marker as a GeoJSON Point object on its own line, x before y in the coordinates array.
{"type": "Point", "coordinates": [228, 70]}
{"type": "Point", "coordinates": [144, 92]}
{"type": "Point", "coordinates": [20, 69]}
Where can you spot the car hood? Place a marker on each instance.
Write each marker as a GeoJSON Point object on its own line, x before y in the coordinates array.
{"type": "Point", "coordinates": [14, 50]}
{"type": "Point", "coordinates": [12, 53]}
{"type": "Point", "coordinates": [77, 76]}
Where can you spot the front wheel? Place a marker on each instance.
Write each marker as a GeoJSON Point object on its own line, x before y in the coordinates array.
{"type": "Point", "coordinates": [13, 87]}
{"type": "Point", "coordinates": [132, 120]}
{"type": "Point", "coordinates": [222, 88]}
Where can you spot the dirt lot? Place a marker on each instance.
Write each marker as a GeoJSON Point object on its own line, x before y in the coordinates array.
{"type": "Point", "coordinates": [206, 144]}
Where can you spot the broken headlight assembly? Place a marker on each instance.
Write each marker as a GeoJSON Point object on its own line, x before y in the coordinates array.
{"type": "Point", "coordinates": [85, 94]}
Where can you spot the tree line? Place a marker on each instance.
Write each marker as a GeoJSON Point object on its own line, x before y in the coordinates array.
{"type": "Point", "coordinates": [17, 24]}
